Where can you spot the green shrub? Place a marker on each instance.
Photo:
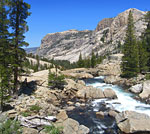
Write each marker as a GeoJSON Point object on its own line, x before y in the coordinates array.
{"type": "Point", "coordinates": [26, 114]}
{"type": "Point", "coordinates": [35, 108]}
{"type": "Point", "coordinates": [56, 81]}
{"type": "Point", "coordinates": [10, 127]}
{"type": "Point", "coordinates": [53, 130]}
{"type": "Point", "coordinates": [147, 77]}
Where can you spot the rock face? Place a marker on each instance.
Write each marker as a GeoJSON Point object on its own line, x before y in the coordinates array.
{"type": "Point", "coordinates": [107, 38]}
{"type": "Point", "coordinates": [105, 23]}
{"type": "Point", "coordinates": [66, 45]}
{"type": "Point", "coordinates": [31, 50]}
{"type": "Point", "coordinates": [133, 122]}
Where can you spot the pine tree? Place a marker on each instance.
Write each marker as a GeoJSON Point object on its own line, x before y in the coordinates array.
{"type": "Point", "coordinates": [130, 50]}
{"type": "Point", "coordinates": [80, 61]}
{"type": "Point", "coordinates": [93, 60]}
{"type": "Point", "coordinates": [18, 15]}
{"type": "Point", "coordinates": [87, 62]}
{"type": "Point", "coordinates": [142, 56]}
{"type": "Point", "coordinates": [146, 38]}
{"type": "Point", "coordinates": [5, 71]}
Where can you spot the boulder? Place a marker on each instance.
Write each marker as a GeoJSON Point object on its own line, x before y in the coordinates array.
{"type": "Point", "coordinates": [44, 92]}
{"type": "Point", "coordinates": [81, 82]}
{"type": "Point", "coordinates": [29, 131]}
{"type": "Point", "coordinates": [62, 115]}
{"type": "Point", "coordinates": [146, 90]}
{"type": "Point", "coordinates": [83, 130]}
{"type": "Point", "coordinates": [109, 93]}
{"type": "Point", "coordinates": [90, 93]}
{"type": "Point", "coordinates": [109, 68]}
{"type": "Point", "coordinates": [71, 84]}
{"type": "Point", "coordinates": [112, 113]}
{"type": "Point", "coordinates": [136, 88]}
{"type": "Point", "coordinates": [133, 122]}
{"type": "Point", "coordinates": [70, 108]}
{"type": "Point", "coordinates": [70, 126]}
{"type": "Point", "coordinates": [111, 79]}
{"type": "Point", "coordinates": [12, 113]}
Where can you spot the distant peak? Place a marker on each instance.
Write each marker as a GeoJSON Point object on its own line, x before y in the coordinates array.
{"type": "Point", "coordinates": [133, 10]}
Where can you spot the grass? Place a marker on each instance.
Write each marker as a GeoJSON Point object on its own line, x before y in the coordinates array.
{"type": "Point", "coordinates": [10, 127]}
{"type": "Point", "coordinates": [53, 130]}
{"type": "Point", "coordinates": [35, 108]}
{"type": "Point", "coordinates": [26, 114]}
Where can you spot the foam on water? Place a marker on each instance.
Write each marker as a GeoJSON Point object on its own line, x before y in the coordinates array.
{"type": "Point", "coordinates": [125, 100]}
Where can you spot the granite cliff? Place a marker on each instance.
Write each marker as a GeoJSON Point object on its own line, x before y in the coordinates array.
{"type": "Point", "coordinates": [106, 38]}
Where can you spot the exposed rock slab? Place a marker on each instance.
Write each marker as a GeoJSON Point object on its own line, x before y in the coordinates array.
{"type": "Point", "coordinates": [36, 121]}
{"type": "Point", "coordinates": [80, 73]}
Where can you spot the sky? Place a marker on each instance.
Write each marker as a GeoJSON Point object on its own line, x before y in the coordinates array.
{"type": "Point", "coordinates": [50, 16]}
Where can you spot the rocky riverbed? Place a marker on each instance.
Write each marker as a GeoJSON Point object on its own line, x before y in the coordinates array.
{"type": "Point", "coordinates": [77, 108]}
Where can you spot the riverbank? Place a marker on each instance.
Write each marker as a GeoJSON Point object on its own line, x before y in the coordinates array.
{"type": "Point", "coordinates": [81, 107]}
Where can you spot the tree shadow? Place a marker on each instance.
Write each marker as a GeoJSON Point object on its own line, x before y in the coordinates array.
{"type": "Point", "coordinates": [27, 88]}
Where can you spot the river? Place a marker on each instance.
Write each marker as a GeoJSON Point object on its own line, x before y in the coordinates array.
{"type": "Point", "coordinates": [125, 101]}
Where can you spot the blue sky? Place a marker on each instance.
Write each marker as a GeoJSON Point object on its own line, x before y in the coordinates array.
{"type": "Point", "coordinates": [50, 16]}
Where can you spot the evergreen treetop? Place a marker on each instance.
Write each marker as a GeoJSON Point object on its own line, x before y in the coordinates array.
{"type": "Point", "coordinates": [5, 70]}
{"type": "Point", "coordinates": [130, 50]}
{"type": "Point", "coordinates": [18, 15]}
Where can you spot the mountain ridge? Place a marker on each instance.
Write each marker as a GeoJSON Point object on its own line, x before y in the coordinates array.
{"type": "Point", "coordinates": [106, 38]}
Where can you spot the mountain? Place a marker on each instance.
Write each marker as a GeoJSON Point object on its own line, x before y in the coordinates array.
{"type": "Point", "coordinates": [31, 50]}
{"type": "Point", "coordinates": [105, 39]}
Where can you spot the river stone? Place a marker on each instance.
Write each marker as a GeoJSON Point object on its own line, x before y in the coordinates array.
{"type": "Point", "coordinates": [100, 114]}
{"type": "Point", "coordinates": [111, 79]}
{"type": "Point", "coordinates": [109, 93]}
{"type": "Point", "coordinates": [146, 90]}
{"type": "Point", "coordinates": [133, 122]}
{"type": "Point", "coordinates": [136, 88]}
